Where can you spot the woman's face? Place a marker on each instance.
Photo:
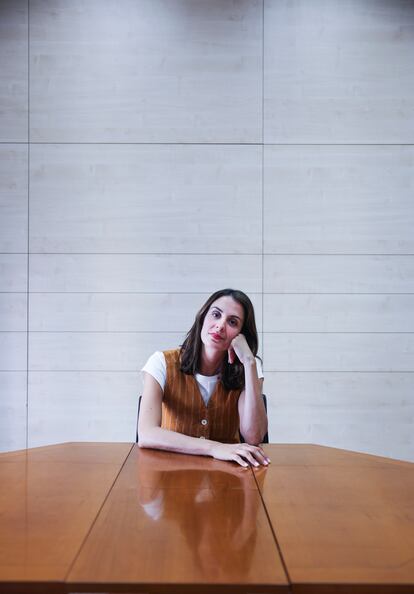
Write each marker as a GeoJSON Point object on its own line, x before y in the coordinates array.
{"type": "Point", "coordinates": [223, 321]}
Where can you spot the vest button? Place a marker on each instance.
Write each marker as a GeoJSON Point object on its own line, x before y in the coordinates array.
{"type": "Point", "coordinates": [204, 422]}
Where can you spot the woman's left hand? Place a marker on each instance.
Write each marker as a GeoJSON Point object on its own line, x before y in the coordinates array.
{"type": "Point", "coordinates": [239, 347]}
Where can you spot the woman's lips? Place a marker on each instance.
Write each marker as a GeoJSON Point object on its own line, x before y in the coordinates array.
{"type": "Point", "coordinates": [216, 336]}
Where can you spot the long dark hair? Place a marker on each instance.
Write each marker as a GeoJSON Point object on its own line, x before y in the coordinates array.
{"type": "Point", "coordinates": [232, 375]}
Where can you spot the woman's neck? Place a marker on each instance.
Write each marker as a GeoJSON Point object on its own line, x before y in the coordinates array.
{"type": "Point", "coordinates": [210, 362]}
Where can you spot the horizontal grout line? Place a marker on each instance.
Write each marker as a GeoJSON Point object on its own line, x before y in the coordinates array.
{"type": "Point", "coordinates": [106, 331]}
{"type": "Point", "coordinates": [112, 293]}
{"type": "Point", "coordinates": [331, 371]}
{"type": "Point", "coordinates": [234, 254]}
{"type": "Point", "coordinates": [340, 144]}
{"type": "Point", "coordinates": [208, 143]}
{"type": "Point", "coordinates": [336, 254]}
{"type": "Point", "coordinates": [338, 332]}
{"type": "Point", "coordinates": [109, 143]}
{"type": "Point", "coordinates": [136, 371]}
{"type": "Point", "coordinates": [353, 294]}
{"type": "Point", "coordinates": [184, 331]}
{"type": "Point", "coordinates": [181, 293]}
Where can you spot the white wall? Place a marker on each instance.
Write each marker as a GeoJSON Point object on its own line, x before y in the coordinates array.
{"type": "Point", "coordinates": [153, 151]}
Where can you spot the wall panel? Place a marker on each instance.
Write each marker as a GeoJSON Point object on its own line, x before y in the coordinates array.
{"type": "Point", "coordinates": [13, 312]}
{"type": "Point", "coordinates": [362, 274]}
{"type": "Point", "coordinates": [124, 312]}
{"type": "Point", "coordinates": [338, 352]}
{"type": "Point", "coordinates": [14, 71]}
{"type": "Point", "coordinates": [147, 71]}
{"type": "Point", "coordinates": [146, 199]}
{"type": "Point", "coordinates": [13, 392]}
{"type": "Point", "coordinates": [13, 197]}
{"type": "Point", "coordinates": [338, 72]}
{"type": "Point", "coordinates": [82, 406]}
{"type": "Point", "coordinates": [13, 351]}
{"type": "Point", "coordinates": [339, 313]}
{"type": "Point", "coordinates": [339, 199]}
{"type": "Point", "coordinates": [368, 412]}
{"type": "Point", "coordinates": [13, 273]}
{"type": "Point", "coordinates": [144, 273]}
{"type": "Point", "coordinates": [96, 351]}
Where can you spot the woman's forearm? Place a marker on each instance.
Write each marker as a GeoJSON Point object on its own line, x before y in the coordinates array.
{"type": "Point", "coordinates": [253, 418]}
{"type": "Point", "coordinates": [164, 439]}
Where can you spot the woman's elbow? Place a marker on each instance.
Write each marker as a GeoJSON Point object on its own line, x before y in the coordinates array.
{"type": "Point", "coordinates": [144, 439]}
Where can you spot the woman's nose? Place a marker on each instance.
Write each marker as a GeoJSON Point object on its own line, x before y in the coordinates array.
{"type": "Point", "coordinates": [219, 325]}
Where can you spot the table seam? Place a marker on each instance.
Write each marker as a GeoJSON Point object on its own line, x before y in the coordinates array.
{"type": "Point", "coordinates": [71, 566]}
{"type": "Point", "coordinates": [284, 565]}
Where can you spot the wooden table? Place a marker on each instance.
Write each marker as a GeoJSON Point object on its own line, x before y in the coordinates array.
{"type": "Point", "coordinates": [97, 517]}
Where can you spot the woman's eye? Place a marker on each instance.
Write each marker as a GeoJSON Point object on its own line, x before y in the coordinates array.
{"type": "Point", "coordinates": [215, 314]}
{"type": "Point", "coordinates": [233, 322]}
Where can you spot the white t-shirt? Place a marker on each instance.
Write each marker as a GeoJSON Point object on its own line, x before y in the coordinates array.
{"type": "Point", "coordinates": [157, 367]}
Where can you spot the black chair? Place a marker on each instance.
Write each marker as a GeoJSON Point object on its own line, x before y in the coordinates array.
{"type": "Point", "coordinates": [265, 438]}
{"type": "Point", "coordinates": [139, 406]}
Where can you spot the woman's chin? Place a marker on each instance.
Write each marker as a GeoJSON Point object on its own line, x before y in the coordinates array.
{"type": "Point", "coordinates": [217, 345]}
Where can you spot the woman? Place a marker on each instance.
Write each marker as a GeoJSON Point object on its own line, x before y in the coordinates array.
{"type": "Point", "coordinates": [196, 398]}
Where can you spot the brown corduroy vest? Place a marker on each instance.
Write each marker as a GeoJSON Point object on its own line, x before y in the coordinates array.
{"type": "Point", "coordinates": [183, 407]}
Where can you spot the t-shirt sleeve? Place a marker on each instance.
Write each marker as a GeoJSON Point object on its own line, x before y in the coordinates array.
{"type": "Point", "coordinates": [259, 368]}
{"type": "Point", "coordinates": [157, 367]}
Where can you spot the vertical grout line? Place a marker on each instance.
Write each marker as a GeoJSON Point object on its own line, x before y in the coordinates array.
{"type": "Point", "coordinates": [263, 46]}
{"type": "Point", "coordinates": [28, 219]}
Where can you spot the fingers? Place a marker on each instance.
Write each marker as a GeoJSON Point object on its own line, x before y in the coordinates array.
{"type": "Point", "coordinates": [253, 454]}
{"type": "Point", "coordinates": [239, 460]}
{"type": "Point", "coordinates": [239, 348]}
{"type": "Point", "coordinates": [242, 453]}
{"type": "Point", "coordinates": [261, 456]}
{"type": "Point", "coordinates": [250, 458]}
{"type": "Point", "coordinates": [239, 338]}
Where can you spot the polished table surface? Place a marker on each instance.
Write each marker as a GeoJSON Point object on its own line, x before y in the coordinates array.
{"type": "Point", "coordinates": [96, 517]}
{"type": "Point", "coordinates": [344, 521]}
{"type": "Point", "coordinates": [49, 498]}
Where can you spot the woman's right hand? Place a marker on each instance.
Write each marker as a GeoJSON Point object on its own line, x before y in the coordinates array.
{"type": "Point", "coordinates": [242, 453]}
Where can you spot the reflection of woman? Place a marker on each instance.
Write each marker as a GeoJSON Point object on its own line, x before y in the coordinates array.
{"type": "Point", "coordinates": [215, 508]}
{"type": "Point", "coordinates": [196, 398]}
